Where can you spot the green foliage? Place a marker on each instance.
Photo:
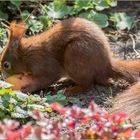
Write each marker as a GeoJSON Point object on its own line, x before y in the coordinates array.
{"type": "Point", "coordinates": [104, 4]}
{"type": "Point", "coordinates": [98, 18]}
{"type": "Point", "coordinates": [3, 38]}
{"type": "Point", "coordinates": [45, 14]}
{"type": "Point", "coordinates": [86, 9]}
{"type": "Point", "coordinates": [34, 25]}
{"type": "Point", "coordinates": [82, 5]}
{"type": "Point", "coordinates": [122, 21]}
{"type": "Point", "coordinates": [58, 9]}
{"type": "Point", "coordinates": [16, 104]}
{"type": "Point", "coordinates": [3, 15]}
{"type": "Point", "coordinates": [59, 97]}
{"type": "Point", "coordinates": [16, 3]}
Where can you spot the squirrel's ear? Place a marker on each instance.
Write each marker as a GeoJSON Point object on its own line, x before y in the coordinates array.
{"type": "Point", "coordinates": [17, 30]}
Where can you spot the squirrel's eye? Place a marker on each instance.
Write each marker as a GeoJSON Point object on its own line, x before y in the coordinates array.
{"type": "Point", "coordinates": [6, 65]}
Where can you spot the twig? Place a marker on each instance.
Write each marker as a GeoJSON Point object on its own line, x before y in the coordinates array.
{"type": "Point", "coordinates": [38, 5]}
{"type": "Point", "coordinates": [134, 44]}
{"type": "Point", "coordinates": [4, 23]}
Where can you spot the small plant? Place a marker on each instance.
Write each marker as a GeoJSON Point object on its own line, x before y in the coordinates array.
{"type": "Point", "coordinates": [3, 38]}
{"type": "Point", "coordinates": [16, 104]}
{"type": "Point", "coordinates": [122, 21]}
{"type": "Point", "coordinates": [75, 123]}
{"type": "Point", "coordinates": [49, 12]}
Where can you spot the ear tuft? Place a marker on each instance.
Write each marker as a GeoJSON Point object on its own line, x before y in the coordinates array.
{"type": "Point", "coordinates": [17, 30]}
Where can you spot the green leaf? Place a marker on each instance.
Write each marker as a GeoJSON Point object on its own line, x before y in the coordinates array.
{"type": "Point", "coordinates": [35, 98]}
{"type": "Point", "coordinates": [2, 114]}
{"type": "Point", "coordinates": [3, 15]}
{"type": "Point", "coordinates": [35, 26]}
{"type": "Point", "coordinates": [122, 21]}
{"type": "Point", "coordinates": [19, 113]}
{"type": "Point", "coordinates": [20, 110]}
{"type": "Point", "coordinates": [17, 3]}
{"type": "Point", "coordinates": [4, 84]}
{"type": "Point", "coordinates": [5, 91]}
{"type": "Point", "coordinates": [2, 107]}
{"type": "Point", "coordinates": [13, 101]}
{"type": "Point", "coordinates": [21, 96]}
{"type": "Point", "coordinates": [59, 97]}
{"type": "Point", "coordinates": [35, 106]}
{"type": "Point", "coordinates": [46, 21]}
{"type": "Point", "coordinates": [98, 18]}
{"type": "Point", "coordinates": [6, 97]}
{"type": "Point", "coordinates": [3, 40]}
{"type": "Point", "coordinates": [58, 10]}
{"type": "Point", "coordinates": [101, 5]}
{"type": "Point", "coordinates": [25, 14]}
{"type": "Point", "coordinates": [104, 4]}
{"type": "Point", "coordinates": [6, 100]}
{"type": "Point", "coordinates": [113, 3]}
{"type": "Point", "coordinates": [83, 4]}
{"type": "Point", "coordinates": [48, 109]}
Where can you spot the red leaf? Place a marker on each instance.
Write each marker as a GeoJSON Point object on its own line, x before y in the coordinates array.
{"type": "Point", "coordinates": [85, 120]}
{"type": "Point", "coordinates": [71, 125]}
{"type": "Point", "coordinates": [26, 131]}
{"type": "Point", "coordinates": [97, 117]}
{"type": "Point", "coordinates": [57, 107]}
{"type": "Point", "coordinates": [16, 135]}
{"type": "Point", "coordinates": [136, 134]}
{"type": "Point", "coordinates": [91, 106]}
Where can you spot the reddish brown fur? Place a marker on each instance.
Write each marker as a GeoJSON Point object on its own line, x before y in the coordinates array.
{"type": "Point", "coordinates": [17, 30]}
{"type": "Point", "coordinates": [75, 48]}
{"type": "Point", "coordinates": [129, 102]}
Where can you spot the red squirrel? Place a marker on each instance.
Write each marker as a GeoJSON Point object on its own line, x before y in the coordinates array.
{"type": "Point", "coordinates": [75, 47]}
{"type": "Point", "coordinates": [129, 103]}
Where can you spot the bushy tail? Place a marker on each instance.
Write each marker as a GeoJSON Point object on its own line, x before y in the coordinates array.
{"type": "Point", "coordinates": [129, 103]}
{"type": "Point", "coordinates": [126, 69]}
